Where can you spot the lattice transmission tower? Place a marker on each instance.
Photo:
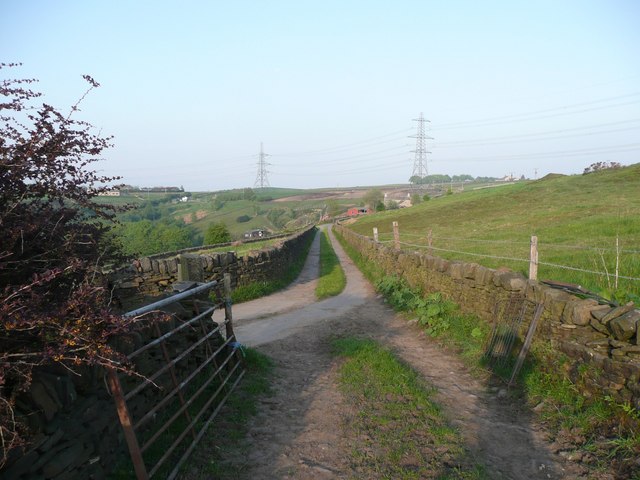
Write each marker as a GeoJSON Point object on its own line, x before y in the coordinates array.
{"type": "Point", "coordinates": [261, 179]}
{"type": "Point", "coordinates": [420, 159]}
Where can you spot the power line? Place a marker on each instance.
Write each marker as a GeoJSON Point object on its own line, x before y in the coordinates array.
{"type": "Point", "coordinates": [542, 135]}
{"type": "Point", "coordinates": [532, 138]}
{"type": "Point", "coordinates": [369, 168]}
{"type": "Point", "coordinates": [354, 159]}
{"type": "Point", "coordinates": [536, 113]}
{"type": "Point", "coordinates": [629, 147]}
{"type": "Point", "coordinates": [347, 146]}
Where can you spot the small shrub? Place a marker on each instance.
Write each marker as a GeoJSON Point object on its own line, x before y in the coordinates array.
{"type": "Point", "coordinates": [433, 311]}
{"type": "Point", "coordinates": [599, 166]}
{"type": "Point", "coordinates": [217, 233]}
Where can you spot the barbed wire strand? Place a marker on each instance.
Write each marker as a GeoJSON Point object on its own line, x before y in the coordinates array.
{"type": "Point", "coordinates": [548, 264]}
{"type": "Point", "coordinates": [509, 242]}
{"type": "Point", "coordinates": [497, 257]}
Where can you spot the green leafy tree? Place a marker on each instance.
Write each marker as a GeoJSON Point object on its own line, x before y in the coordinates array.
{"type": "Point", "coordinates": [148, 238]}
{"type": "Point", "coordinates": [279, 217]}
{"type": "Point", "coordinates": [416, 199]}
{"type": "Point", "coordinates": [248, 194]}
{"type": "Point", "coordinates": [373, 197]}
{"type": "Point", "coordinates": [217, 233]}
{"type": "Point", "coordinates": [334, 208]}
{"type": "Point", "coordinates": [461, 178]}
{"type": "Point", "coordinates": [217, 203]}
{"type": "Point", "coordinates": [436, 178]}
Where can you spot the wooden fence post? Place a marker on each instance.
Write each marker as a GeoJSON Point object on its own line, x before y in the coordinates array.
{"type": "Point", "coordinates": [375, 234]}
{"type": "Point", "coordinates": [396, 235]}
{"type": "Point", "coordinates": [533, 259]}
{"type": "Point", "coordinates": [430, 241]}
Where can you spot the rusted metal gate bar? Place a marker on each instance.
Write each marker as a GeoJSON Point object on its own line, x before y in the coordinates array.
{"type": "Point", "coordinates": [194, 394]}
{"type": "Point", "coordinates": [507, 320]}
{"type": "Point", "coordinates": [527, 342]}
{"type": "Point", "coordinates": [510, 319]}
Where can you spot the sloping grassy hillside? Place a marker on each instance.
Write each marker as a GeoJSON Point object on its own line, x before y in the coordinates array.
{"type": "Point", "coordinates": [169, 223]}
{"type": "Point", "coordinates": [577, 220]}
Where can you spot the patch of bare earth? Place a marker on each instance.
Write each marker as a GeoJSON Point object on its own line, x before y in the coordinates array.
{"type": "Point", "coordinates": [328, 195]}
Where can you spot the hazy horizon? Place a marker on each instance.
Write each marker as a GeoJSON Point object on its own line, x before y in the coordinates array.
{"type": "Point", "coordinates": [190, 91]}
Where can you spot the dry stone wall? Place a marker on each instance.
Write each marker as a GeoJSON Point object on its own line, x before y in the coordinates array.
{"type": "Point", "coordinates": [76, 433]}
{"type": "Point", "coordinates": [154, 275]}
{"type": "Point", "coordinates": [604, 338]}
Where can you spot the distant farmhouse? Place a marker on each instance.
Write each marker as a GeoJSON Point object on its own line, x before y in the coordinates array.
{"type": "Point", "coordinates": [355, 211]}
{"type": "Point", "coordinates": [110, 193]}
{"type": "Point", "coordinates": [257, 233]}
{"type": "Point", "coordinates": [136, 189]}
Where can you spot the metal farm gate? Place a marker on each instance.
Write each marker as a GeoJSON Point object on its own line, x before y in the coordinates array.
{"type": "Point", "coordinates": [187, 370]}
{"type": "Point", "coordinates": [512, 318]}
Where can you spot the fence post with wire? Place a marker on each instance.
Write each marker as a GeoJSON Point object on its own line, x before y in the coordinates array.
{"type": "Point", "coordinates": [611, 274]}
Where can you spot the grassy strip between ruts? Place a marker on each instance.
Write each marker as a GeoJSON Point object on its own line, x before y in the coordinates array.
{"type": "Point", "coordinates": [603, 433]}
{"type": "Point", "coordinates": [255, 290]}
{"type": "Point", "coordinates": [332, 280]}
{"type": "Point", "coordinates": [399, 432]}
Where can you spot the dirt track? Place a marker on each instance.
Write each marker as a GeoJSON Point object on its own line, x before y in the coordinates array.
{"type": "Point", "coordinates": [298, 432]}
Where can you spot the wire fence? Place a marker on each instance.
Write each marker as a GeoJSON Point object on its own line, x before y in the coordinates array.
{"type": "Point", "coordinates": [611, 268]}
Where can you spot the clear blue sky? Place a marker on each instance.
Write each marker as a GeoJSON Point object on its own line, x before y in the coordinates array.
{"type": "Point", "coordinates": [191, 88]}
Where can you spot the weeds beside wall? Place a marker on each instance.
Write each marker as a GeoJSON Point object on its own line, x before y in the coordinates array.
{"type": "Point", "coordinates": [599, 336]}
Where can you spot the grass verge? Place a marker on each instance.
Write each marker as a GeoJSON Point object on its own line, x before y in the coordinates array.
{"type": "Point", "coordinates": [219, 455]}
{"type": "Point", "coordinates": [254, 290]}
{"type": "Point", "coordinates": [602, 432]}
{"type": "Point", "coordinates": [230, 427]}
{"type": "Point", "coordinates": [332, 279]}
{"type": "Point", "coordinates": [401, 433]}
{"type": "Point", "coordinates": [587, 222]}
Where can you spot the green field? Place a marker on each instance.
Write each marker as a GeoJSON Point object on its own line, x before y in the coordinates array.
{"type": "Point", "coordinates": [266, 210]}
{"type": "Point", "coordinates": [578, 220]}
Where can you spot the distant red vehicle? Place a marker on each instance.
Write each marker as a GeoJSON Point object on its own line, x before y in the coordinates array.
{"type": "Point", "coordinates": [354, 212]}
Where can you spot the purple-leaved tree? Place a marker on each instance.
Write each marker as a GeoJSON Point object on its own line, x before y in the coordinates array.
{"type": "Point", "coordinates": [55, 304]}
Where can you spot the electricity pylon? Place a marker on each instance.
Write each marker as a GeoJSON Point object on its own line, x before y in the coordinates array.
{"type": "Point", "coordinates": [261, 179]}
{"type": "Point", "coordinates": [420, 160]}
